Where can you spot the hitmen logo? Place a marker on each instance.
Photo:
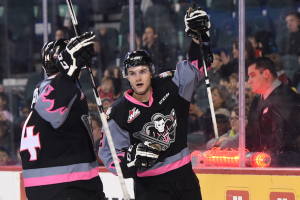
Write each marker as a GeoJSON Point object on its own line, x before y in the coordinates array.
{"type": "Point", "coordinates": [133, 114]}
{"type": "Point", "coordinates": [161, 130]}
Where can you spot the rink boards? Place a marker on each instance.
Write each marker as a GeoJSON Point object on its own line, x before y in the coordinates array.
{"type": "Point", "coordinates": [216, 184]}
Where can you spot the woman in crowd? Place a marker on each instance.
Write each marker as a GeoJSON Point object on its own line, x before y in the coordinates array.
{"type": "Point", "coordinates": [231, 138]}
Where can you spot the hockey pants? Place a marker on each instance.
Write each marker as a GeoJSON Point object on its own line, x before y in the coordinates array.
{"type": "Point", "coordinates": [185, 189]}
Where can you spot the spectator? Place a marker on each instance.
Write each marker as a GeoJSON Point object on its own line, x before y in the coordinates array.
{"type": "Point", "coordinates": [274, 115]}
{"type": "Point", "coordinates": [98, 135]}
{"type": "Point", "coordinates": [266, 42]}
{"type": "Point", "coordinates": [291, 43]}
{"type": "Point", "coordinates": [225, 82]}
{"type": "Point", "coordinates": [4, 106]}
{"type": "Point", "coordinates": [281, 75]}
{"type": "Point", "coordinates": [225, 58]}
{"type": "Point", "coordinates": [214, 73]}
{"type": "Point", "coordinates": [249, 95]}
{"type": "Point", "coordinates": [106, 92]}
{"type": "Point", "coordinates": [255, 45]}
{"type": "Point", "coordinates": [233, 80]}
{"type": "Point", "coordinates": [4, 156]}
{"type": "Point", "coordinates": [202, 121]}
{"type": "Point", "coordinates": [154, 47]}
{"type": "Point", "coordinates": [231, 138]}
{"type": "Point", "coordinates": [233, 66]}
{"type": "Point", "coordinates": [59, 34]}
{"type": "Point", "coordinates": [115, 74]}
{"type": "Point", "coordinates": [25, 110]}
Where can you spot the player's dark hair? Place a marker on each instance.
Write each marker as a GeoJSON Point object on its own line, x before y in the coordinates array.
{"type": "Point", "coordinates": [264, 63]}
{"type": "Point", "coordinates": [6, 150]}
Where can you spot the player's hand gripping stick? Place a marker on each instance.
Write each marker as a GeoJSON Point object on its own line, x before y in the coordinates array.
{"type": "Point", "coordinates": [101, 111]}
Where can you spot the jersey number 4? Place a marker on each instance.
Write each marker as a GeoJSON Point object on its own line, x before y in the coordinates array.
{"type": "Point", "coordinates": [31, 141]}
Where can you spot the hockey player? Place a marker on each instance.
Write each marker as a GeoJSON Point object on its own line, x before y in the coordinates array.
{"type": "Point", "coordinates": [56, 146]}
{"type": "Point", "coordinates": [149, 124]}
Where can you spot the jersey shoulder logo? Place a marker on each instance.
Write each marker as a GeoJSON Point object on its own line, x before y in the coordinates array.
{"type": "Point", "coordinates": [165, 74]}
{"type": "Point", "coordinates": [164, 98]}
{"type": "Point", "coordinates": [161, 130]}
{"type": "Point", "coordinates": [133, 114]}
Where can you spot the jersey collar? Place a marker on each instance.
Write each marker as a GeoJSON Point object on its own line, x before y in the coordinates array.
{"type": "Point", "coordinates": [133, 100]}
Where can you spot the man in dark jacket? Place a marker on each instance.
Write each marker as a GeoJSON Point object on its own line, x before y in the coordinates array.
{"type": "Point", "coordinates": [274, 120]}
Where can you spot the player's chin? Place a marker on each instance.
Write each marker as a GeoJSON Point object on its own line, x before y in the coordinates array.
{"type": "Point", "coordinates": [140, 90]}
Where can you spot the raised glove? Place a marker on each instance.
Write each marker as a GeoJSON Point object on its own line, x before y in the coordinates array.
{"type": "Point", "coordinates": [197, 20]}
{"type": "Point", "coordinates": [143, 154]}
{"type": "Point", "coordinates": [76, 55]}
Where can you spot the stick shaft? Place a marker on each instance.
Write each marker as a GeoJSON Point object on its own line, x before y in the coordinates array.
{"type": "Point", "coordinates": [212, 110]}
{"type": "Point", "coordinates": [101, 111]}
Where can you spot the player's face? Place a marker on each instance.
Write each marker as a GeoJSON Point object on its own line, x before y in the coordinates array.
{"type": "Point", "coordinates": [139, 78]}
{"type": "Point", "coordinates": [292, 23]}
{"type": "Point", "coordinates": [256, 80]}
{"type": "Point", "coordinates": [4, 158]}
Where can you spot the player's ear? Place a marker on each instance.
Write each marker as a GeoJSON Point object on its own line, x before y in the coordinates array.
{"type": "Point", "coordinates": [267, 73]}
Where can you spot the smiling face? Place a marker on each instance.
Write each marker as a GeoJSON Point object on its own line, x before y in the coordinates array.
{"type": "Point", "coordinates": [139, 78]}
{"type": "Point", "coordinates": [292, 23]}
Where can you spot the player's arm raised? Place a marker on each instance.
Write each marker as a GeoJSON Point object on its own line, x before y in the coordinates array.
{"type": "Point", "coordinates": [189, 73]}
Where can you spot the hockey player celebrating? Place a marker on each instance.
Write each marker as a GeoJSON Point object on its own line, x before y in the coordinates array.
{"type": "Point", "coordinates": [149, 124]}
{"type": "Point", "coordinates": [56, 146]}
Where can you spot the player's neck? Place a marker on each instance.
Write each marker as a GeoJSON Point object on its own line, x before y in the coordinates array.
{"type": "Point", "coordinates": [142, 98]}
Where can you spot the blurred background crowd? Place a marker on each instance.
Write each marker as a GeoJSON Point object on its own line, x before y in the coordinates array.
{"type": "Point", "coordinates": [272, 30]}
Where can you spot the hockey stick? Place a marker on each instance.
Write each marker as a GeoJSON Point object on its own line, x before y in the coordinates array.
{"type": "Point", "coordinates": [211, 105]}
{"type": "Point", "coordinates": [101, 111]}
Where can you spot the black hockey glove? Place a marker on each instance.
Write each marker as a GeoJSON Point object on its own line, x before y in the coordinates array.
{"type": "Point", "coordinates": [143, 155]}
{"type": "Point", "coordinates": [197, 20]}
{"type": "Point", "coordinates": [78, 52]}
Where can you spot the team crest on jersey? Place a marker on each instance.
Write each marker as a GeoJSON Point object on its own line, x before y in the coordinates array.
{"type": "Point", "coordinates": [133, 114]}
{"type": "Point", "coordinates": [165, 74]}
{"type": "Point", "coordinates": [161, 130]}
{"type": "Point", "coordinates": [108, 111]}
